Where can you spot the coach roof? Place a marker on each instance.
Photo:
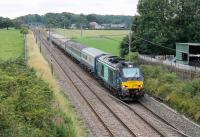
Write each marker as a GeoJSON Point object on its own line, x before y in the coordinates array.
{"type": "Point", "coordinates": [93, 52]}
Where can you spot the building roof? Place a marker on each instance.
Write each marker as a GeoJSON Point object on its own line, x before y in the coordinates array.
{"type": "Point", "coordinates": [191, 44]}
{"type": "Point", "coordinates": [93, 23]}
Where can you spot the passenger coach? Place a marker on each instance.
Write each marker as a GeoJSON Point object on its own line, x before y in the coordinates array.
{"type": "Point", "coordinates": [124, 79]}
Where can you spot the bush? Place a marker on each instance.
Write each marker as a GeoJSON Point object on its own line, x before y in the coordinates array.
{"type": "Point", "coordinates": [25, 102]}
{"type": "Point", "coordinates": [64, 129]}
{"type": "Point", "coordinates": [151, 85]}
{"type": "Point", "coordinates": [133, 57]}
{"type": "Point", "coordinates": [151, 71]}
{"type": "Point", "coordinates": [24, 30]}
{"type": "Point", "coordinates": [168, 78]}
{"type": "Point", "coordinates": [164, 90]}
{"type": "Point", "coordinates": [192, 87]}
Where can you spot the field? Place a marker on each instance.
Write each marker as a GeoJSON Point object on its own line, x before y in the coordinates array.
{"type": "Point", "coordinates": [11, 44]}
{"type": "Point", "coordinates": [106, 40]}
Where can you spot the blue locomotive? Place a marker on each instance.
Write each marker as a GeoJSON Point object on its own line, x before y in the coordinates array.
{"type": "Point", "coordinates": [124, 79]}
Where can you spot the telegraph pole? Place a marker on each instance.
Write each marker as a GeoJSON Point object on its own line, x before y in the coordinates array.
{"type": "Point", "coordinates": [81, 30]}
{"type": "Point", "coordinates": [129, 48]}
{"type": "Point", "coordinates": [64, 31]}
{"type": "Point", "coordinates": [51, 59]}
{"type": "Point", "coordinates": [49, 34]}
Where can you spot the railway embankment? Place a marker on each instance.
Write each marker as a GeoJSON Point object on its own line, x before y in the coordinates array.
{"type": "Point", "coordinates": [183, 96]}
{"type": "Point", "coordinates": [68, 121]}
{"type": "Point", "coordinates": [172, 117]}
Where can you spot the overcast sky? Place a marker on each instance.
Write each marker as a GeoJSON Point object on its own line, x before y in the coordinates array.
{"type": "Point", "coordinates": [15, 8]}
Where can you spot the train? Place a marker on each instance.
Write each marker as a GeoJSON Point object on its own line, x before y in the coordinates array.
{"type": "Point", "coordinates": [124, 79]}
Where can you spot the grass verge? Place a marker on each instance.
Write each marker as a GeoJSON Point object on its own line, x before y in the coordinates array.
{"type": "Point", "coordinates": [70, 123]}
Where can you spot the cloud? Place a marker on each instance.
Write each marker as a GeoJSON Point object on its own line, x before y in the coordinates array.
{"type": "Point", "coordinates": [14, 8]}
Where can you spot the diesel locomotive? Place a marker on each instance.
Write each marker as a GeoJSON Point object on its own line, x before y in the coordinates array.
{"type": "Point", "coordinates": [124, 79]}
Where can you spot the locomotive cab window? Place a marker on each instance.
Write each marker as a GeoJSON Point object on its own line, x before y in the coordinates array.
{"type": "Point", "coordinates": [110, 76]}
{"type": "Point", "coordinates": [99, 68]}
{"type": "Point", "coordinates": [131, 72]}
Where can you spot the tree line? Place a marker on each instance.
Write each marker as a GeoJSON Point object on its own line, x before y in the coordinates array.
{"type": "Point", "coordinates": [67, 19]}
{"type": "Point", "coordinates": [8, 23]}
{"type": "Point", "coordinates": [162, 23]}
{"type": "Point", "coordinates": [64, 19]}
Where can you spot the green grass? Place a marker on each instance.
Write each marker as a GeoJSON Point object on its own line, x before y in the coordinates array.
{"type": "Point", "coordinates": [103, 44]}
{"type": "Point", "coordinates": [11, 44]}
{"type": "Point", "coordinates": [105, 40]}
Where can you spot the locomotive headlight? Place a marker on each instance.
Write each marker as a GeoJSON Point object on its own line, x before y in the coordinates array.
{"type": "Point", "coordinates": [140, 86]}
{"type": "Point", "coordinates": [124, 87]}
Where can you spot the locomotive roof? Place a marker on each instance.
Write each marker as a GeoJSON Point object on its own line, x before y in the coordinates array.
{"type": "Point", "coordinates": [115, 61]}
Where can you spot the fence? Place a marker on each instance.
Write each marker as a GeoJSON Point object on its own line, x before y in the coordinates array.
{"type": "Point", "coordinates": [184, 72]}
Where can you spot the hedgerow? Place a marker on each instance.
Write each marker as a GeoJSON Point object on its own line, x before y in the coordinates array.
{"type": "Point", "coordinates": [25, 102]}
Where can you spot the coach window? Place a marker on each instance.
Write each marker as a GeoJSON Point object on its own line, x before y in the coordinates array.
{"type": "Point", "coordinates": [90, 60]}
{"type": "Point", "coordinates": [102, 70]}
{"type": "Point", "coordinates": [84, 56]}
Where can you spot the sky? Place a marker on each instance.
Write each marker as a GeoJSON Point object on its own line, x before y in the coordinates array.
{"type": "Point", "coordinates": [16, 8]}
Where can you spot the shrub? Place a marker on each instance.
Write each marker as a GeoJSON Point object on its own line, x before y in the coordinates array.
{"type": "Point", "coordinates": [164, 90]}
{"type": "Point", "coordinates": [25, 102]}
{"type": "Point", "coordinates": [24, 30]}
{"type": "Point", "coordinates": [151, 85]}
{"type": "Point", "coordinates": [169, 78]}
{"type": "Point", "coordinates": [192, 87]}
{"type": "Point", "coordinates": [151, 71]}
{"type": "Point", "coordinates": [133, 57]}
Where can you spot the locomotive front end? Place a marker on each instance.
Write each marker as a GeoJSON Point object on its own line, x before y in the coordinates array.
{"type": "Point", "coordinates": [132, 82]}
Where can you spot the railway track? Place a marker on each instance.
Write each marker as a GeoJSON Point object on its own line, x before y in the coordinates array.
{"type": "Point", "coordinates": [59, 61]}
{"type": "Point", "coordinates": [153, 120]}
{"type": "Point", "coordinates": [75, 83]}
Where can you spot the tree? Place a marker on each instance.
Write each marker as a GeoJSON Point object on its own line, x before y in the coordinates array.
{"type": "Point", "coordinates": [61, 19]}
{"type": "Point", "coordinates": [165, 22]}
{"type": "Point", "coordinates": [92, 18]}
{"type": "Point", "coordinates": [5, 23]}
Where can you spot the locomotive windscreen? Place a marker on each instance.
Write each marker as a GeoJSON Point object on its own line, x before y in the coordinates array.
{"type": "Point", "coordinates": [131, 72]}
